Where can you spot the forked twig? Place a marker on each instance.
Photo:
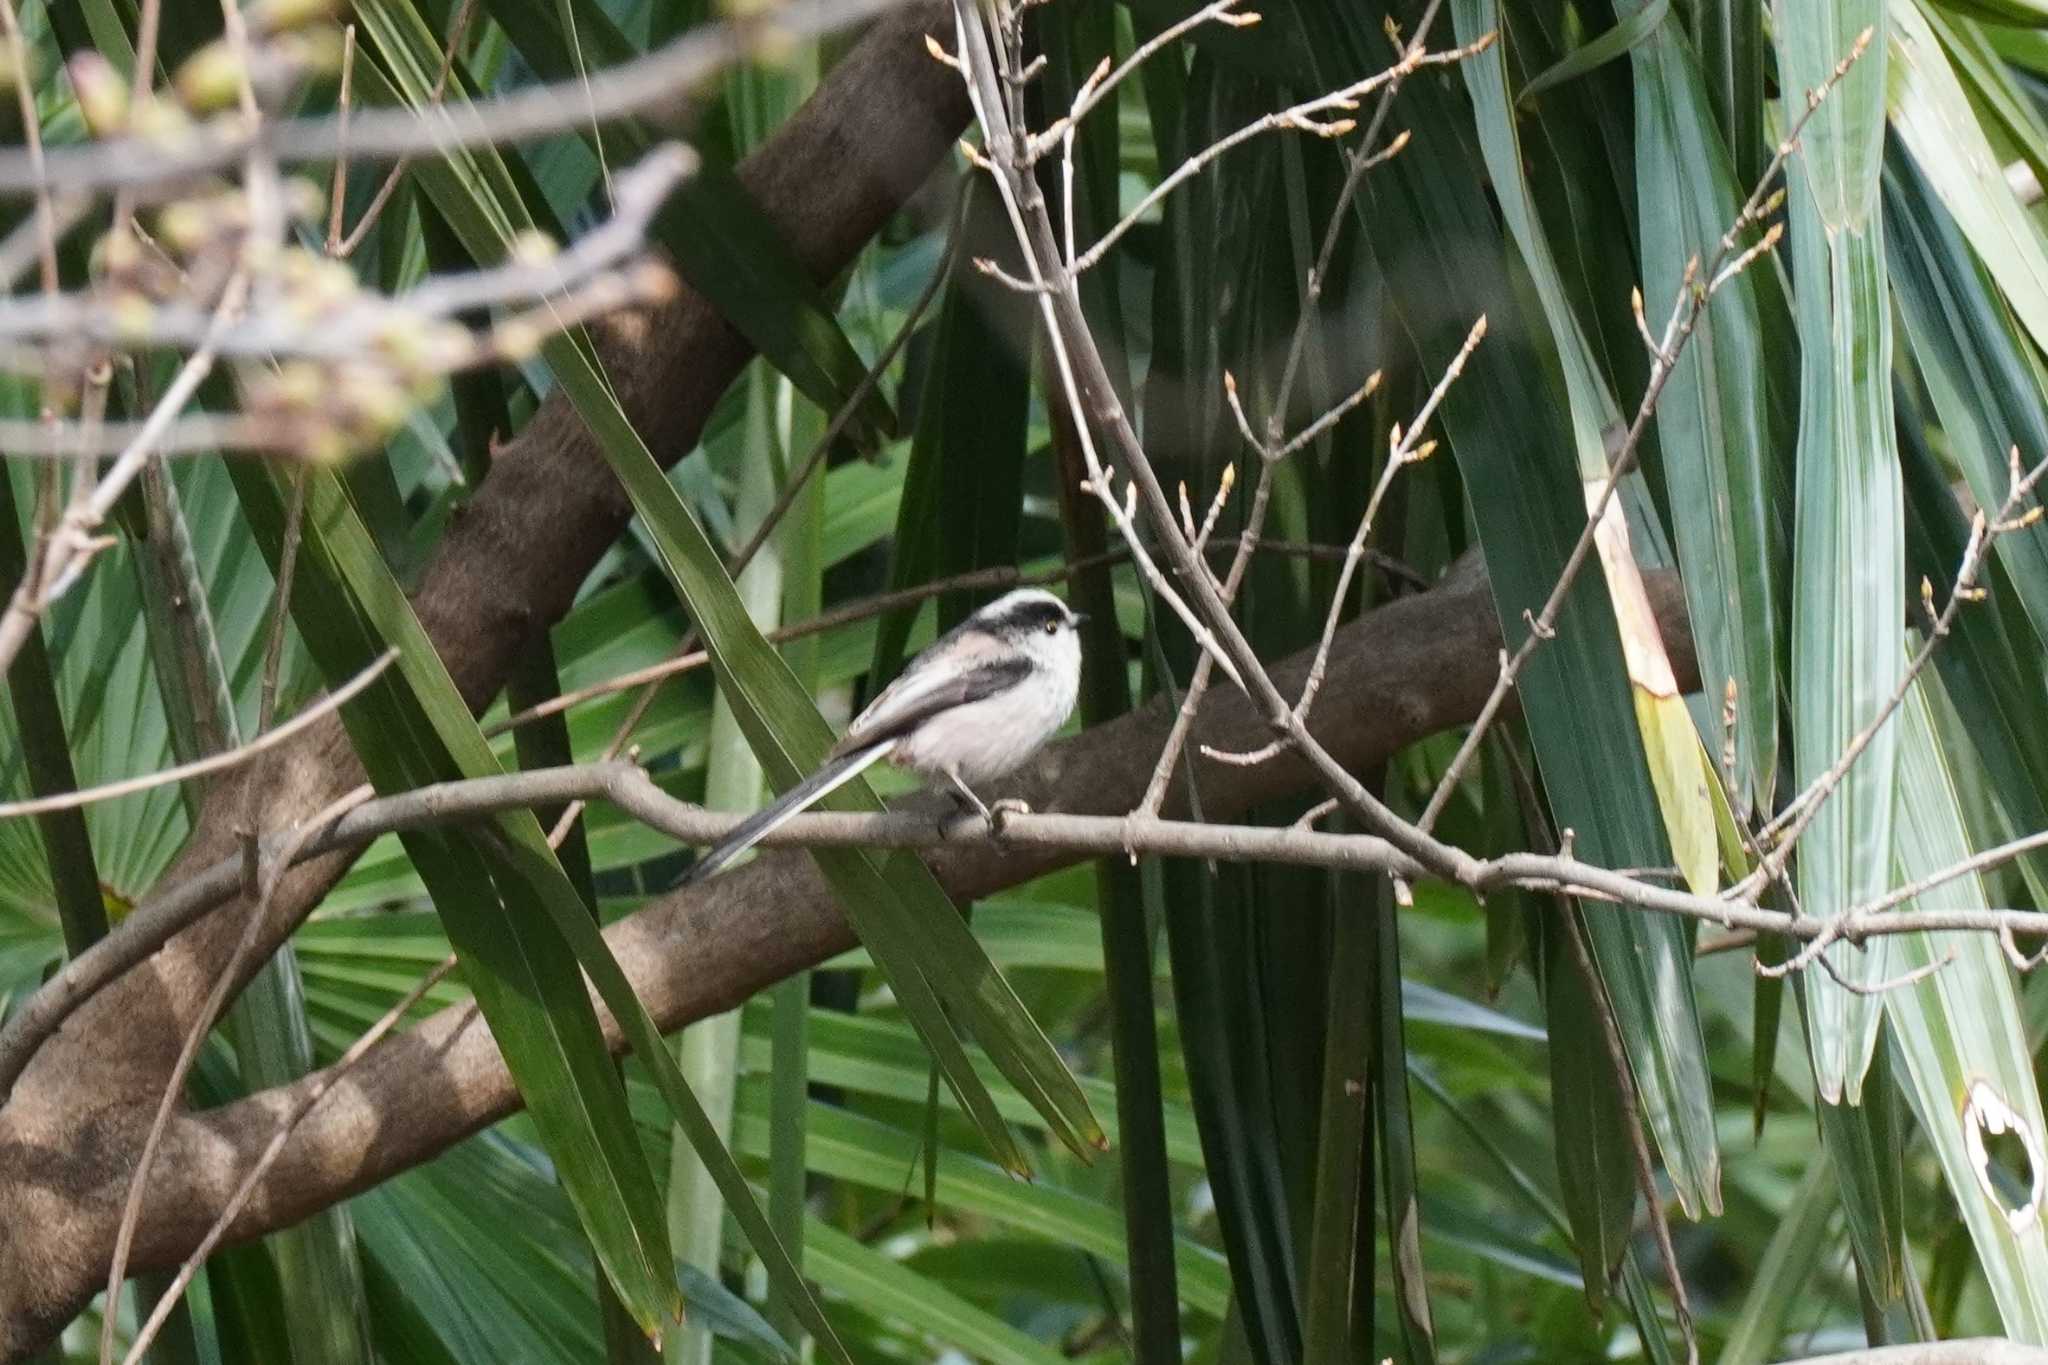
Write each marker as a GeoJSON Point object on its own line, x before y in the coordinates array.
{"type": "Point", "coordinates": [1695, 293]}
{"type": "Point", "coordinates": [1792, 822]}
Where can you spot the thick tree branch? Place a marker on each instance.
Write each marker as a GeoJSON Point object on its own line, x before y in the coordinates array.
{"type": "Point", "coordinates": [509, 566]}
{"type": "Point", "coordinates": [1409, 669]}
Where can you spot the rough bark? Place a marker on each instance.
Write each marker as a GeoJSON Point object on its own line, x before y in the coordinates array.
{"type": "Point", "coordinates": [509, 566]}
{"type": "Point", "coordinates": [1407, 670]}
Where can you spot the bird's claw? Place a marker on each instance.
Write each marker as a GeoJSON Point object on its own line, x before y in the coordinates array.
{"type": "Point", "coordinates": [1000, 811]}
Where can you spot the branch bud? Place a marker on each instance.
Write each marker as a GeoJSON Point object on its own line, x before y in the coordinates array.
{"type": "Point", "coordinates": [211, 78]}
{"type": "Point", "coordinates": [102, 94]}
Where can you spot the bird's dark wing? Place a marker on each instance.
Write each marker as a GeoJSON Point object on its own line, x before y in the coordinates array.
{"type": "Point", "coordinates": [922, 693]}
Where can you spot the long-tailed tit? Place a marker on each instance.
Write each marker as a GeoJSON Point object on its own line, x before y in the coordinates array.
{"type": "Point", "coordinates": [971, 708]}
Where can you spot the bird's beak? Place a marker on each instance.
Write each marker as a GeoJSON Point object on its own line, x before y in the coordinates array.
{"type": "Point", "coordinates": [1079, 616]}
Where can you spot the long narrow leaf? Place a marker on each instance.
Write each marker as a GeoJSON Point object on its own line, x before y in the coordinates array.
{"type": "Point", "coordinates": [1849, 550]}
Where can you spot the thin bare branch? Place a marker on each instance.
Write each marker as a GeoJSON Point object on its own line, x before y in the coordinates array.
{"type": "Point", "coordinates": [632, 791]}
{"type": "Point", "coordinates": [344, 247]}
{"type": "Point", "coordinates": [1686, 310]}
{"type": "Point", "coordinates": [1302, 118]}
{"type": "Point", "coordinates": [225, 761]}
{"type": "Point", "coordinates": [1404, 450]}
{"type": "Point", "coordinates": [645, 84]}
{"type": "Point", "coordinates": [322, 1083]}
{"type": "Point", "coordinates": [174, 1085]}
{"type": "Point", "coordinates": [1984, 532]}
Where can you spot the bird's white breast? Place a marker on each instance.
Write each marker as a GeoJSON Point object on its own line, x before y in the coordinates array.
{"type": "Point", "coordinates": [988, 739]}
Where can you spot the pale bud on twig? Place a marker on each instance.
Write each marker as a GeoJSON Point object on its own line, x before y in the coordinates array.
{"type": "Point", "coordinates": [284, 16]}
{"type": "Point", "coordinates": [102, 94]}
{"type": "Point", "coordinates": [1728, 722]}
{"type": "Point", "coordinates": [533, 248]}
{"type": "Point", "coordinates": [211, 78]}
{"type": "Point", "coordinates": [1095, 78]}
{"type": "Point", "coordinates": [941, 56]}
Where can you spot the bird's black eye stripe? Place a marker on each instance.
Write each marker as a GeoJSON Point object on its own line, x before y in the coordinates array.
{"type": "Point", "coordinates": [1028, 615]}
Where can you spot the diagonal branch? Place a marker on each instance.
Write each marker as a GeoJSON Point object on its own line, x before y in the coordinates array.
{"type": "Point", "coordinates": [836, 170]}
{"type": "Point", "coordinates": [1426, 660]}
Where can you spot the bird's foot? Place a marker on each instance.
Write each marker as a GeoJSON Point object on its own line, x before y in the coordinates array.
{"type": "Point", "coordinates": [999, 813]}
{"type": "Point", "coordinates": [967, 811]}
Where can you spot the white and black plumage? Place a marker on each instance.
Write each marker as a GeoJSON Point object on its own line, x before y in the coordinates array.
{"type": "Point", "coordinates": [971, 708]}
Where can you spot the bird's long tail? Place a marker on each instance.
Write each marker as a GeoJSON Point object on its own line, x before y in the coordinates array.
{"type": "Point", "coordinates": [832, 775]}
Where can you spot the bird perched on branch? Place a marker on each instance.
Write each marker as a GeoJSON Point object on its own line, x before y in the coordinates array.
{"type": "Point", "coordinates": [971, 708]}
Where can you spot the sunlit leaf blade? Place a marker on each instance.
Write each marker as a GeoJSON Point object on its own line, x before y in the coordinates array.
{"type": "Point", "coordinates": [1962, 1044]}
{"type": "Point", "coordinates": [1842, 142]}
{"type": "Point", "coordinates": [1711, 421]}
{"type": "Point", "coordinates": [899, 908]}
{"type": "Point", "coordinates": [1528, 513]}
{"type": "Point", "coordinates": [2007, 113]}
{"type": "Point", "coordinates": [1849, 552]}
{"type": "Point", "coordinates": [847, 1146]}
{"type": "Point", "coordinates": [866, 1276]}
{"type": "Point", "coordinates": [2018, 13]}
{"type": "Point", "coordinates": [408, 729]}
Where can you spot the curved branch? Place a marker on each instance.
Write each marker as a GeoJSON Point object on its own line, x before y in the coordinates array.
{"type": "Point", "coordinates": [1425, 662]}
{"type": "Point", "coordinates": [508, 566]}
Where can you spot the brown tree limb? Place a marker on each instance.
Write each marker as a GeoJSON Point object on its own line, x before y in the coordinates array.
{"type": "Point", "coordinates": [509, 566]}
{"type": "Point", "coordinates": [1409, 669]}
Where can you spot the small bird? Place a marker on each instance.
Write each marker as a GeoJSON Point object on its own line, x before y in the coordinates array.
{"type": "Point", "coordinates": [971, 708]}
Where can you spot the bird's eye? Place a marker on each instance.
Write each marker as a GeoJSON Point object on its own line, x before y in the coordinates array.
{"type": "Point", "coordinates": [1052, 627]}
